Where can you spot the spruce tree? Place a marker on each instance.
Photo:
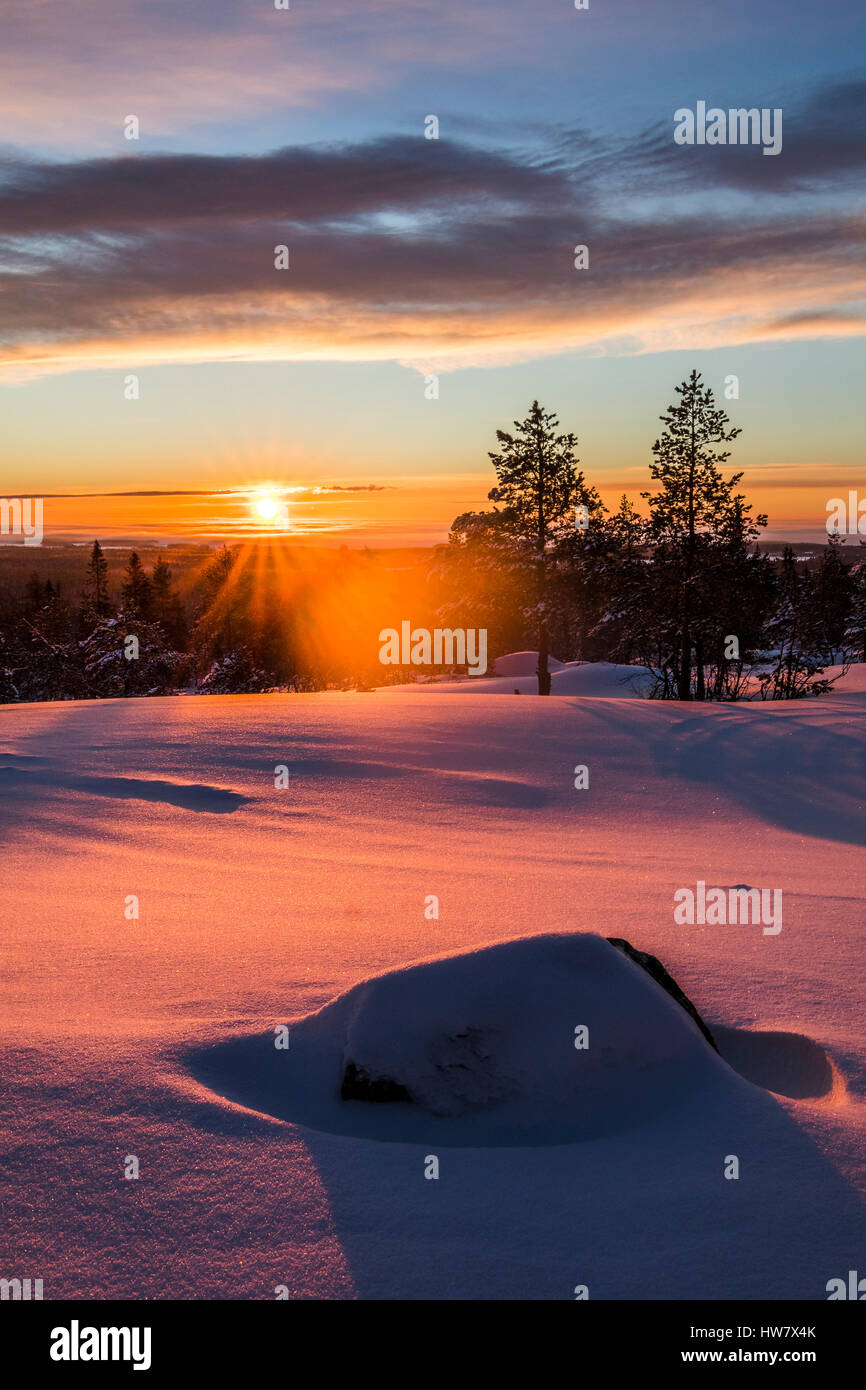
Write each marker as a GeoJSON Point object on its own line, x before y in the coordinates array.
{"type": "Point", "coordinates": [97, 580]}
{"type": "Point", "coordinates": [539, 488]}
{"type": "Point", "coordinates": [833, 595]}
{"type": "Point", "coordinates": [136, 591]}
{"type": "Point", "coordinates": [693, 512]}
{"type": "Point", "coordinates": [856, 633]}
{"type": "Point", "coordinates": [167, 608]}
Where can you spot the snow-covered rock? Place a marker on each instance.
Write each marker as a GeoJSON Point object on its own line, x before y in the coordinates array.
{"type": "Point", "coordinates": [541, 1034]}
{"type": "Point", "coordinates": [523, 664]}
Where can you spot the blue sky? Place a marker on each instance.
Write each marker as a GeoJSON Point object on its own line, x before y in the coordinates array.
{"type": "Point", "coordinates": [410, 256]}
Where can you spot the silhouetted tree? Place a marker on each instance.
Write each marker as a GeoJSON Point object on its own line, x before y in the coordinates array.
{"type": "Point", "coordinates": [856, 631]}
{"type": "Point", "coordinates": [539, 489]}
{"type": "Point", "coordinates": [166, 606]}
{"type": "Point", "coordinates": [136, 590]}
{"type": "Point", "coordinates": [832, 597]}
{"type": "Point", "coordinates": [108, 670]}
{"type": "Point", "coordinates": [97, 581]}
{"type": "Point", "coordinates": [694, 514]}
{"type": "Point", "coordinates": [481, 580]}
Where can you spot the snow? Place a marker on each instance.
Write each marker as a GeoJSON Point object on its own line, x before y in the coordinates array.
{"type": "Point", "coordinates": [600, 680]}
{"type": "Point", "coordinates": [516, 673]}
{"type": "Point", "coordinates": [522, 664]}
{"type": "Point", "coordinates": [259, 906]}
{"type": "Point", "coordinates": [483, 1042]}
{"type": "Point", "coordinates": [494, 1030]}
{"type": "Point", "coordinates": [854, 679]}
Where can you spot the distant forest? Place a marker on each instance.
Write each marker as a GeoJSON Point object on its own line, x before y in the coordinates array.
{"type": "Point", "coordinates": [684, 591]}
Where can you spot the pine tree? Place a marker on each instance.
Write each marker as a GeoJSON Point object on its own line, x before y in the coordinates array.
{"type": "Point", "coordinates": [856, 633]}
{"type": "Point", "coordinates": [615, 593]}
{"type": "Point", "coordinates": [97, 579]}
{"type": "Point", "coordinates": [109, 669]}
{"type": "Point", "coordinates": [539, 488]}
{"type": "Point", "coordinates": [480, 580]}
{"type": "Point", "coordinates": [833, 594]}
{"type": "Point", "coordinates": [738, 587]}
{"type": "Point", "coordinates": [167, 608]}
{"type": "Point", "coordinates": [691, 514]}
{"type": "Point", "coordinates": [136, 591]}
{"type": "Point", "coordinates": [627, 528]}
{"type": "Point", "coordinates": [795, 665]}
{"type": "Point", "coordinates": [216, 629]}
{"type": "Point", "coordinates": [38, 593]}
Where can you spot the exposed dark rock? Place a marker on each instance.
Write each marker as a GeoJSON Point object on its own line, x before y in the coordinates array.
{"type": "Point", "coordinates": [360, 1085]}
{"type": "Point", "coordinates": [653, 966]}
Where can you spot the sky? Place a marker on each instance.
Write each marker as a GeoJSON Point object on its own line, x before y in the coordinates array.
{"type": "Point", "coordinates": [158, 371]}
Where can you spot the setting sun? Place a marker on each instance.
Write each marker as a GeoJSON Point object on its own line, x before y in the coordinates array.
{"type": "Point", "coordinates": [267, 507]}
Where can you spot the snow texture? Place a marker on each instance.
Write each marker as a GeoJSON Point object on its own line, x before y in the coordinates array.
{"type": "Point", "coordinates": [263, 906]}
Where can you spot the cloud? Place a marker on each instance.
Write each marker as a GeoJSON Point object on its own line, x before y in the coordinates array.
{"type": "Point", "coordinates": [298, 186]}
{"type": "Point", "coordinates": [432, 253]}
{"type": "Point", "coordinates": [833, 322]}
{"type": "Point", "coordinates": [70, 70]}
{"type": "Point", "coordinates": [298, 493]}
{"type": "Point", "coordinates": [823, 147]}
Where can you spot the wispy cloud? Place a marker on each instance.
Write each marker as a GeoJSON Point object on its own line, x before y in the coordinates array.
{"type": "Point", "coordinates": [71, 71]}
{"type": "Point", "coordinates": [430, 252]}
{"type": "Point", "coordinates": [297, 493]}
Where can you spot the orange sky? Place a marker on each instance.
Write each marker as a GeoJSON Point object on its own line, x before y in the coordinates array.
{"type": "Point", "coordinates": [153, 340]}
{"type": "Point", "coordinates": [402, 511]}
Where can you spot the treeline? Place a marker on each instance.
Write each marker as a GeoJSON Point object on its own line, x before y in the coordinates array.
{"type": "Point", "coordinates": [249, 618]}
{"type": "Point", "coordinates": [52, 648]}
{"type": "Point", "coordinates": [683, 591]}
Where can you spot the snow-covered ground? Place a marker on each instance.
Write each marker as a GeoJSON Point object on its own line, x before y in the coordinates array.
{"type": "Point", "coordinates": [259, 904]}
{"type": "Point", "coordinates": [600, 678]}
{"type": "Point", "coordinates": [515, 675]}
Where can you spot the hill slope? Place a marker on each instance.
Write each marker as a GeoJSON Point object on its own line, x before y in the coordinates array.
{"type": "Point", "coordinates": [258, 904]}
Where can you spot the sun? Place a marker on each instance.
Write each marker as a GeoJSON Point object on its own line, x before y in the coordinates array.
{"type": "Point", "coordinates": [267, 507]}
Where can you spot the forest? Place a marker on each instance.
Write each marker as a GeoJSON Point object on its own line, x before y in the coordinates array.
{"type": "Point", "coordinates": [680, 587]}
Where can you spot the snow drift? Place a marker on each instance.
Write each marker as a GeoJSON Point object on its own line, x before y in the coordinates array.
{"type": "Point", "coordinates": [522, 664]}
{"type": "Point", "coordinates": [496, 1028]}
{"type": "Point", "coordinates": [254, 1172]}
{"type": "Point", "coordinates": [516, 673]}
{"type": "Point", "coordinates": [545, 1039]}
